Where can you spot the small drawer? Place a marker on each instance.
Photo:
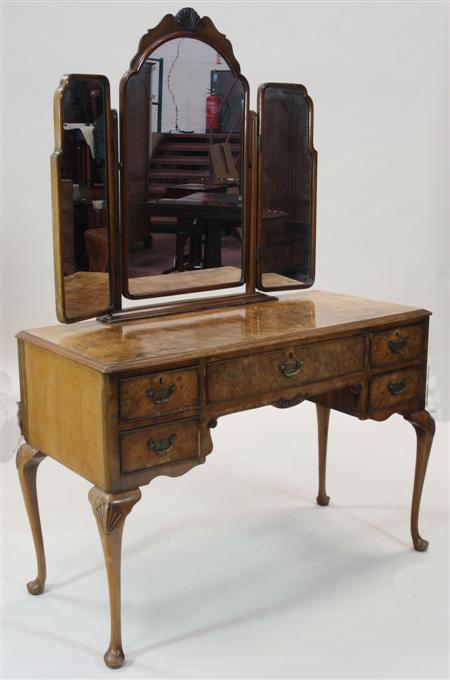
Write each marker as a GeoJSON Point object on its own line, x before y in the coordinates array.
{"type": "Point", "coordinates": [404, 343]}
{"type": "Point", "coordinates": [158, 393]}
{"type": "Point", "coordinates": [147, 447]}
{"type": "Point", "coordinates": [271, 371]}
{"type": "Point", "coordinates": [393, 388]}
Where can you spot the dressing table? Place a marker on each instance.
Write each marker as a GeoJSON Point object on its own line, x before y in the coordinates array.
{"type": "Point", "coordinates": [123, 395]}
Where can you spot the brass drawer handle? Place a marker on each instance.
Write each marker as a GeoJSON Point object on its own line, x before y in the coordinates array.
{"type": "Point", "coordinates": [162, 394]}
{"type": "Point", "coordinates": [397, 346]}
{"type": "Point", "coordinates": [162, 446]}
{"type": "Point", "coordinates": [290, 368]}
{"type": "Point", "coordinates": [397, 387]}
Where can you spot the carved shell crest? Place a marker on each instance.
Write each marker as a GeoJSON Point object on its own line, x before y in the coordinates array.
{"type": "Point", "coordinates": [187, 18]}
{"type": "Point", "coordinates": [284, 402]}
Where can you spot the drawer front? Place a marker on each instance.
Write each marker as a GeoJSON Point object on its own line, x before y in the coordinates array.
{"type": "Point", "coordinates": [150, 446]}
{"type": "Point", "coordinates": [397, 344]}
{"type": "Point", "coordinates": [393, 388]}
{"type": "Point", "coordinates": [289, 367]}
{"type": "Point", "coordinates": [158, 393]}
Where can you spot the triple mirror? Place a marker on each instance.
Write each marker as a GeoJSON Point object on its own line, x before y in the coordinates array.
{"type": "Point", "coordinates": [200, 194]}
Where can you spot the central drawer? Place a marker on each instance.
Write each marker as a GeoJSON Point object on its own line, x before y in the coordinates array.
{"type": "Point", "coordinates": [295, 365]}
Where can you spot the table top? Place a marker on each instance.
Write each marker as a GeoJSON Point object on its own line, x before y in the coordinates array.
{"type": "Point", "coordinates": [207, 205]}
{"type": "Point", "coordinates": [206, 185]}
{"type": "Point", "coordinates": [304, 316]}
{"type": "Point", "coordinates": [83, 291]}
{"type": "Point", "coordinates": [201, 199]}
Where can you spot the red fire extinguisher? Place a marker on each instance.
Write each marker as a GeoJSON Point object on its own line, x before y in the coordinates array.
{"type": "Point", "coordinates": [212, 108]}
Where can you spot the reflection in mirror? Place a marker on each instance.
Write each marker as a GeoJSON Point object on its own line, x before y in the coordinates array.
{"type": "Point", "coordinates": [183, 159]}
{"type": "Point", "coordinates": [83, 198]}
{"type": "Point", "coordinates": [287, 198]}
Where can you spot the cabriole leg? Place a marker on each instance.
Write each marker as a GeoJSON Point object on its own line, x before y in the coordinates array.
{"type": "Point", "coordinates": [424, 425]}
{"type": "Point", "coordinates": [110, 511]}
{"type": "Point", "coordinates": [27, 461]}
{"type": "Point", "coordinates": [323, 417]}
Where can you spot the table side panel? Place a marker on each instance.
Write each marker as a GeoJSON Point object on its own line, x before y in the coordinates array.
{"type": "Point", "coordinates": [65, 411]}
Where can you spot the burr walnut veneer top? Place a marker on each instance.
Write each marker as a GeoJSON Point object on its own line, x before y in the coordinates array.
{"type": "Point", "coordinates": [181, 337]}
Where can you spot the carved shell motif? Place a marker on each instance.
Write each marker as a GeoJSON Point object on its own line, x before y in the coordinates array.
{"type": "Point", "coordinates": [109, 517]}
{"type": "Point", "coordinates": [283, 402]}
{"type": "Point", "coordinates": [187, 18]}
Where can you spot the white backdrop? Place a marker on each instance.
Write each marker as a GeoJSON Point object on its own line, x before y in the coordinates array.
{"type": "Point", "coordinates": [378, 76]}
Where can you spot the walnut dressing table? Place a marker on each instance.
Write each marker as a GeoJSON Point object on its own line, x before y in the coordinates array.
{"type": "Point", "coordinates": [135, 393]}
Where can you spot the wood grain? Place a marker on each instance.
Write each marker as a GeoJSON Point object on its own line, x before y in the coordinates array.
{"type": "Point", "coordinates": [65, 412]}
{"type": "Point", "coordinates": [86, 292]}
{"type": "Point", "coordinates": [177, 440]}
{"type": "Point", "coordinates": [158, 393]}
{"type": "Point", "coordinates": [323, 417]}
{"type": "Point", "coordinates": [264, 372]}
{"type": "Point", "coordinates": [176, 281]}
{"type": "Point", "coordinates": [424, 426]}
{"type": "Point", "coordinates": [110, 511]}
{"type": "Point", "coordinates": [27, 461]}
{"type": "Point", "coordinates": [397, 344]}
{"type": "Point", "coordinates": [407, 382]}
{"type": "Point", "coordinates": [307, 316]}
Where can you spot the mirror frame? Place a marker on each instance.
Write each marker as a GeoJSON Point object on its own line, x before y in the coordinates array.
{"type": "Point", "coordinates": [260, 173]}
{"type": "Point", "coordinates": [186, 24]}
{"type": "Point", "coordinates": [111, 193]}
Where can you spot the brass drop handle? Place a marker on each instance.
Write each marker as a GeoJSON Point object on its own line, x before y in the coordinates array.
{"type": "Point", "coordinates": [162, 394]}
{"type": "Point", "coordinates": [397, 387]}
{"type": "Point", "coordinates": [290, 368]}
{"type": "Point", "coordinates": [162, 446]}
{"type": "Point", "coordinates": [397, 346]}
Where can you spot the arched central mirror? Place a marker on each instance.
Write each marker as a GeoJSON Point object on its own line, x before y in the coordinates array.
{"type": "Point", "coordinates": [183, 178]}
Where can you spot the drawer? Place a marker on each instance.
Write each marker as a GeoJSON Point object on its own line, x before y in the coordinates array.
{"type": "Point", "coordinates": [147, 447]}
{"type": "Point", "coordinates": [393, 388]}
{"type": "Point", "coordinates": [397, 344]}
{"type": "Point", "coordinates": [158, 393]}
{"type": "Point", "coordinates": [270, 371]}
